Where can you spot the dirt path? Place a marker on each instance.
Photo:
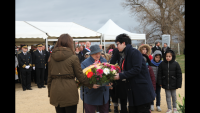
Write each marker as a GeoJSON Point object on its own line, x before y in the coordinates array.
{"type": "Point", "coordinates": [37, 100]}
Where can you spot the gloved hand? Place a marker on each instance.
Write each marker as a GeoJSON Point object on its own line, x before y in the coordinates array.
{"type": "Point", "coordinates": [27, 67]}
{"type": "Point", "coordinates": [34, 68]}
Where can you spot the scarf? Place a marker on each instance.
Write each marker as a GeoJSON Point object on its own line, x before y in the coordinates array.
{"type": "Point", "coordinates": [88, 49]}
{"type": "Point", "coordinates": [122, 54]}
{"type": "Point", "coordinates": [76, 52]}
{"type": "Point", "coordinates": [97, 61]}
{"type": "Point", "coordinates": [156, 63]}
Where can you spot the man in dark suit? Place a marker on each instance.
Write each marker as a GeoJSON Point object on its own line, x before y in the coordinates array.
{"type": "Point", "coordinates": [39, 64]}
{"type": "Point", "coordinates": [25, 63]}
{"type": "Point", "coordinates": [46, 69]}
{"type": "Point", "coordinates": [33, 73]}
{"type": "Point", "coordinates": [156, 47]}
{"type": "Point", "coordinates": [164, 49]}
{"type": "Point", "coordinates": [86, 49]}
{"type": "Point", "coordinates": [140, 91]}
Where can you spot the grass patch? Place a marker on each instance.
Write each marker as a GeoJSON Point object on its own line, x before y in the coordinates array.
{"type": "Point", "coordinates": [181, 60]}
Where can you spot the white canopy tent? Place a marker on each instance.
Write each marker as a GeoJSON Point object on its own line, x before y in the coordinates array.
{"type": "Point", "coordinates": [25, 33]}
{"type": "Point", "coordinates": [78, 32]}
{"type": "Point", "coordinates": [110, 30]}
{"type": "Point", "coordinates": [53, 30]}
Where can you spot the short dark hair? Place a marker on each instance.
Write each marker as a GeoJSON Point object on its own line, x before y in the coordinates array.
{"type": "Point", "coordinates": [165, 43]}
{"type": "Point", "coordinates": [123, 38]}
{"type": "Point", "coordinates": [157, 42]}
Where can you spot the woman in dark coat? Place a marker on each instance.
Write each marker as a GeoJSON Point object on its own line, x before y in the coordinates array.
{"type": "Point", "coordinates": [119, 90]}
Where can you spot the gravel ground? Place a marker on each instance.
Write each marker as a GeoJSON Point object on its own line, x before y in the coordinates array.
{"type": "Point", "coordinates": [37, 100]}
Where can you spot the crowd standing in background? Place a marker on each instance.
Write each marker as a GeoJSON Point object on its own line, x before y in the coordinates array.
{"type": "Point", "coordinates": [143, 72]}
{"type": "Point", "coordinates": [156, 47]}
{"type": "Point", "coordinates": [164, 49]}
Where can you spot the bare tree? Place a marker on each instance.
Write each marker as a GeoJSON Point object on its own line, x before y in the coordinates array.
{"type": "Point", "coordinates": [157, 17]}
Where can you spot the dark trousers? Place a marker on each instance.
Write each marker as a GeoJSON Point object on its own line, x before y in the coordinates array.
{"type": "Point", "coordinates": [33, 74]}
{"type": "Point", "coordinates": [158, 88]}
{"type": "Point", "coordinates": [19, 74]}
{"type": "Point", "coordinates": [40, 76]}
{"type": "Point", "coordinates": [91, 108]}
{"type": "Point", "coordinates": [46, 75]}
{"type": "Point", "coordinates": [68, 109]}
{"type": "Point", "coordinates": [123, 102]}
{"type": "Point", "coordinates": [26, 79]}
{"type": "Point", "coordinates": [144, 108]}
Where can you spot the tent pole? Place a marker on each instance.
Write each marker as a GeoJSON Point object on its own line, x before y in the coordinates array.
{"type": "Point", "coordinates": [101, 38]}
{"type": "Point", "coordinates": [46, 43]}
{"type": "Point", "coordinates": [104, 45]}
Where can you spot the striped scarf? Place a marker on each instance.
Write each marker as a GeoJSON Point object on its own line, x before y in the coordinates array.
{"type": "Point", "coordinates": [88, 49]}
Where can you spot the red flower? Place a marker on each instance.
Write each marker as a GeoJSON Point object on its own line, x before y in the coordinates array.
{"type": "Point", "coordinates": [90, 74]}
{"type": "Point", "coordinates": [99, 71]}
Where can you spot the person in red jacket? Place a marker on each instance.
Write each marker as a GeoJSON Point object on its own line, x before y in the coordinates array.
{"type": "Point", "coordinates": [145, 49]}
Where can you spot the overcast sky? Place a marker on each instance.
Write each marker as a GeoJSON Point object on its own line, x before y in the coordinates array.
{"type": "Point", "coordinates": [89, 13]}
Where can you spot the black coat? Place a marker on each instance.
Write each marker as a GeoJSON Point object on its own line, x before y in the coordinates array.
{"type": "Point", "coordinates": [81, 56]}
{"type": "Point", "coordinates": [47, 54]}
{"type": "Point", "coordinates": [163, 53]}
{"type": "Point", "coordinates": [39, 61]}
{"type": "Point", "coordinates": [154, 49]}
{"type": "Point", "coordinates": [138, 82]}
{"type": "Point", "coordinates": [24, 60]}
{"type": "Point", "coordinates": [85, 51]}
{"type": "Point", "coordinates": [169, 73]}
{"type": "Point", "coordinates": [119, 87]}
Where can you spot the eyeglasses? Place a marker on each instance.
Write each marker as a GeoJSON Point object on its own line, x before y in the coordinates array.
{"type": "Point", "coordinates": [117, 44]}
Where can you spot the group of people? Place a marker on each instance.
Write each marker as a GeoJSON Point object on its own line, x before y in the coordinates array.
{"type": "Point", "coordinates": [143, 73]}
{"type": "Point", "coordinates": [31, 66]}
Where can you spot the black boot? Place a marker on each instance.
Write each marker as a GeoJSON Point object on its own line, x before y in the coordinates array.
{"type": "Point", "coordinates": [116, 109]}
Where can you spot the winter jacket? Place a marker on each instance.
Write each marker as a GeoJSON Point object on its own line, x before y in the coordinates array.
{"type": "Point", "coordinates": [63, 67]}
{"type": "Point", "coordinates": [150, 57]}
{"type": "Point", "coordinates": [94, 96]}
{"type": "Point", "coordinates": [152, 77]}
{"type": "Point", "coordinates": [138, 82]}
{"type": "Point", "coordinates": [148, 62]}
{"type": "Point", "coordinates": [81, 56]}
{"type": "Point", "coordinates": [154, 67]}
{"type": "Point", "coordinates": [169, 73]}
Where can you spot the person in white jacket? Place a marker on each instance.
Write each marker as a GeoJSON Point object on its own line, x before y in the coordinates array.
{"type": "Point", "coordinates": [16, 63]}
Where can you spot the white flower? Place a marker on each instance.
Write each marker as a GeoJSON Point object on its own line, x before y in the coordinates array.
{"type": "Point", "coordinates": [114, 71]}
{"type": "Point", "coordinates": [106, 71]}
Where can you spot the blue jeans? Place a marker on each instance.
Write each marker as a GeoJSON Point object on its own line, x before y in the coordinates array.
{"type": "Point", "coordinates": [158, 88]}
